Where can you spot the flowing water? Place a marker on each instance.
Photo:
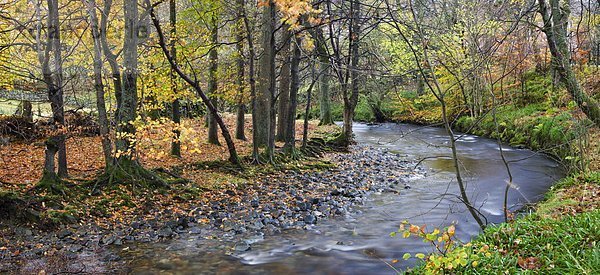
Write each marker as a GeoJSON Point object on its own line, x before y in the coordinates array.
{"type": "Point", "coordinates": [360, 242]}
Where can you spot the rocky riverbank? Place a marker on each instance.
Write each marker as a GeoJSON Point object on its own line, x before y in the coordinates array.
{"type": "Point", "coordinates": [267, 205]}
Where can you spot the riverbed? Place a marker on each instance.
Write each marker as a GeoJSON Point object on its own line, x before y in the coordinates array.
{"type": "Point", "coordinates": [358, 242]}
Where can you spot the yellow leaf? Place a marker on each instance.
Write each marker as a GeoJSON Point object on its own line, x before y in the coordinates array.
{"type": "Point", "coordinates": [451, 230]}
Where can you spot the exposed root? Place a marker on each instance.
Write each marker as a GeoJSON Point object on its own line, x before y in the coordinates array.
{"type": "Point", "coordinates": [52, 183]}
{"type": "Point", "coordinates": [128, 172]}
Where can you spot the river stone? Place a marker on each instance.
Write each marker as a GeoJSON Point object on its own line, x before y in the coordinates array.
{"type": "Point", "coordinates": [75, 248]}
{"type": "Point", "coordinates": [242, 247]}
{"type": "Point", "coordinates": [64, 233]}
{"type": "Point", "coordinates": [165, 264]}
{"type": "Point", "coordinates": [108, 239]}
{"type": "Point", "coordinates": [165, 231]}
{"type": "Point", "coordinates": [310, 219]}
{"type": "Point", "coordinates": [23, 231]}
{"type": "Point", "coordinates": [136, 225]}
{"type": "Point", "coordinates": [195, 230]}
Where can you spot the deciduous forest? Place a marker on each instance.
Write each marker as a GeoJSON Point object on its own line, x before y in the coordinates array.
{"type": "Point", "coordinates": [303, 137]}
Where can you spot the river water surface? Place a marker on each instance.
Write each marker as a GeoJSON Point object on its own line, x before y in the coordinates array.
{"type": "Point", "coordinates": [360, 242]}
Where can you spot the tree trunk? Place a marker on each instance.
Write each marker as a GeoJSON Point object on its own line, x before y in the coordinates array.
{"type": "Point", "coordinates": [315, 79]}
{"type": "Point", "coordinates": [324, 85]}
{"type": "Point", "coordinates": [241, 108]}
{"type": "Point", "coordinates": [213, 56]}
{"type": "Point", "coordinates": [324, 97]}
{"type": "Point", "coordinates": [98, 85]}
{"type": "Point", "coordinates": [351, 100]}
{"type": "Point", "coordinates": [262, 108]}
{"type": "Point", "coordinates": [290, 131]}
{"type": "Point", "coordinates": [55, 88]}
{"type": "Point", "coordinates": [110, 56]}
{"type": "Point", "coordinates": [555, 28]}
{"type": "Point", "coordinates": [284, 85]}
{"type": "Point", "coordinates": [252, 80]}
{"type": "Point", "coordinates": [126, 111]}
{"type": "Point", "coordinates": [175, 108]}
{"type": "Point", "coordinates": [25, 109]}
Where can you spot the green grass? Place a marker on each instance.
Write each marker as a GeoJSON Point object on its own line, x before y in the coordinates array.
{"type": "Point", "coordinates": [564, 246]}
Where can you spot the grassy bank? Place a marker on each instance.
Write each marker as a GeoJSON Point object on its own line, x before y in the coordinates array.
{"type": "Point", "coordinates": [559, 235]}
{"type": "Point", "coordinates": [559, 132]}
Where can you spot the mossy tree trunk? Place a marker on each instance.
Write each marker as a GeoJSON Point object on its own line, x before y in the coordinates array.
{"type": "Point", "coordinates": [556, 17]}
{"type": "Point", "coordinates": [351, 95]}
{"type": "Point", "coordinates": [326, 118]}
{"type": "Point", "coordinates": [126, 168]}
{"type": "Point", "coordinates": [111, 58]}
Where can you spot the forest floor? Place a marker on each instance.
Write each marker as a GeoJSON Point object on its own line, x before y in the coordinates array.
{"type": "Point", "coordinates": [79, 232]}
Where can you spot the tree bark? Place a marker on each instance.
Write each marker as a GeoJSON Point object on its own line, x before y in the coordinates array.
{"type": "Point", "coordinates": [98, 85]}
{"type": "Point", "coordinates": [54, 80]}
{"type": "Point", "coordinates": [126, 112]}
{"type": "Point", "coordinates": [284, 85]}
{"type": "Point", "coordinates": [241, 108]}
{"type": "Point", "coordinates": [213, 56]}
{"type": "Point", "coordinates": [350, 100]}
{"type": "Point", "coordinates": [324, 97]}
{"type": "Point", "coordinates": [252, 80]}
{"type": "Point", "coordinates": [175, 108]}
{"type": "Point", "coordinates": [108, 53]}
{"type": "Point", "coordinates": [324, 85]}
{"type": "Point", "coordinates": [290, 131]}
{"type": "Point", "coordinates": [262, 108]}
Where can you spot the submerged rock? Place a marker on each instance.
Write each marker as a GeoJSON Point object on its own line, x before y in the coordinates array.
{"type": "Point", "coordinates": [242, 246]}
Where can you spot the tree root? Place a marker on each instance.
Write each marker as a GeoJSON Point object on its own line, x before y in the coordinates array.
{"type": "Point", "coordinates": [52, 183]}
{"type": "Point", "coordinates": [129, 172]}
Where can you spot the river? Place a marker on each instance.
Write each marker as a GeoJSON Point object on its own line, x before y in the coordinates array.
{"type": "Point", "coordinates": [360, 243]}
